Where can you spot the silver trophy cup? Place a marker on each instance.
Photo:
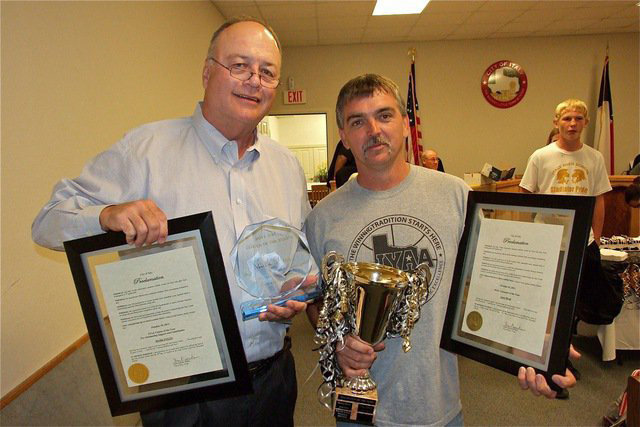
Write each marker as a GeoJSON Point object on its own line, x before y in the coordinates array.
{"type": "Point", "coordinates": [370, 301]}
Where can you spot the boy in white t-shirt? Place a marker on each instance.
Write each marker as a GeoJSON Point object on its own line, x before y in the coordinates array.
{"type": "Point", "coordinates": [568, 167]}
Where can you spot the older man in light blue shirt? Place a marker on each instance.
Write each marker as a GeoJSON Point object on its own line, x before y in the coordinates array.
{"type": "Point", "coordinates": [212, 161]}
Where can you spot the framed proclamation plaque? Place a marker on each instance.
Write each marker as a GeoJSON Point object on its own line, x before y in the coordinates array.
{"type": "Point", "coordinates": [516, 279]}
{"type": "Point", "coordinates": [160, 317]}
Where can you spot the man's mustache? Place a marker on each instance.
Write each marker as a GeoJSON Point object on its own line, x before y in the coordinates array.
{"type": "Point", "coordinates": [376, 140]}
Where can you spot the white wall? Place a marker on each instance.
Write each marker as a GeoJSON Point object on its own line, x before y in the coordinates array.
{"type": "Point", "coordinates": [75, 77]}
{"type": "Point", "coordinates": [456, 120]}
{"type": "Point", "coordinates": [305, 135]}
{"type": "Point", "coordinates": [302, 130]}
{"type": "Point", "coordinates": [274, 127]}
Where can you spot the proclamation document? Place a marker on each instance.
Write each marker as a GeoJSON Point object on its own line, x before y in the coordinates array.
{"type": "Point", "coordinates": [512, 283]}
{"type": "Point", "coordinates": [159, 315]}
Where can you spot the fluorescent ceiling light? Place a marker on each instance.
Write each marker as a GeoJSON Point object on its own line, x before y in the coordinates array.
{"type": "Point", "coordinates": [399, 7]}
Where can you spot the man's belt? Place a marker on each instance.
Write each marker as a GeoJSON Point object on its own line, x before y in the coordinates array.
{"type": "Point", "coordinates": [259, 366]}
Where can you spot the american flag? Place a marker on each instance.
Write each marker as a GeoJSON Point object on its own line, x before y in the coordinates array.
{"type": "Point", "coordinates": [604, 120]}
{"type": "Point", "coordinates": [413, 150]}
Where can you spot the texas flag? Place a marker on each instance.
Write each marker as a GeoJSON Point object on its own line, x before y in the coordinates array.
{"type": "Point", "coordinates": [604, 120]}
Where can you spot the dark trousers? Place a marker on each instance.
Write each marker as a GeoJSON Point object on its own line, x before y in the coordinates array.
{"type": "Point", "coordinates": [272, 403]}
{"type": "Point", "coordinates": [601, 292]}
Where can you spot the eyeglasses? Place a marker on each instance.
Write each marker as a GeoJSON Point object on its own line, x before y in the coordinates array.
{"type": "Point", "coordinates": [243, 73]}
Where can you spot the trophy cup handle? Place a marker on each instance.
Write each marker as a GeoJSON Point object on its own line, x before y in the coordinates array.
{"type": "Point", "coordinates": [416, 295]}
{"type": "Point", "coordinates": [424, 273]}
{"type": "Point", "coordinates": [328, 262]}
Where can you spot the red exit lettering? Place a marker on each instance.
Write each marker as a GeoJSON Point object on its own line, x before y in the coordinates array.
{"type": "Point", "coordinates": [295, 96]}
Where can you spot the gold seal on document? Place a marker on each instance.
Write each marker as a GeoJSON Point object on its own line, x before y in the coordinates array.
{"type": "Point", "coordinates": [138, 373]}
{"type": "Point", "coordinates": [474, 320]}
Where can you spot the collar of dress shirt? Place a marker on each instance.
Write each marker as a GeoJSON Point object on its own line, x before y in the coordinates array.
{"type": "Point", "coordinates": [216, 141]}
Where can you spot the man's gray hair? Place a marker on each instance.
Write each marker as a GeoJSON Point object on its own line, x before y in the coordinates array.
{"type": "Point", "coordinates": [237, 20]}
{"type": "Point", "coordinates": [367, 85]}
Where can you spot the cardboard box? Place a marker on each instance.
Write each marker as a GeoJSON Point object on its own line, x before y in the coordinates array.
{"type": "Point", "coordinates": [476, 178]}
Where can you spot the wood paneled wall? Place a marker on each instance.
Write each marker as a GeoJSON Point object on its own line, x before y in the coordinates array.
{"type": "Point", "coordinates": [619, 219]}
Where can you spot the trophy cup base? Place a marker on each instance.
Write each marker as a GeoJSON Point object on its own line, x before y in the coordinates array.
{"type": "Point", "coordinates": [355, 407]}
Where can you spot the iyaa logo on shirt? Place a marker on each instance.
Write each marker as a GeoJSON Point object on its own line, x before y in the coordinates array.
{"type": "Point", "coordinates": [401, 242]}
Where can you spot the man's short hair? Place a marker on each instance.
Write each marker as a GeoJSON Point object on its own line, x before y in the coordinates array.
{"type": "Point", "coordinates": [571, 105]}
{"type": "Point", "coordinates": [367, 85]}
{"type": "Point", "coordinates": [237, 20]}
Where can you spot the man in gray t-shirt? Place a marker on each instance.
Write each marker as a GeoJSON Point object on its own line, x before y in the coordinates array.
{"type": "Point", "coordinates": [400, 215]}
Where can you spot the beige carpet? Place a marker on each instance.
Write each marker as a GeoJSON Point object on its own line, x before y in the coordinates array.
{"type": "Point", "coordinates": [72, 394]}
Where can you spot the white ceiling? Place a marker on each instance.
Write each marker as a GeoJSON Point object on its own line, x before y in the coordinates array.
{"type": "Point", "coordinates": [312, 22]}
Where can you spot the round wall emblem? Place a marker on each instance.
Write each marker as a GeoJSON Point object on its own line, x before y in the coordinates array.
{"type": "Point", "coordinates": [504, 84]}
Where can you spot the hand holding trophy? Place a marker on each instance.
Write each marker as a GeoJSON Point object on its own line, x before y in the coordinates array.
{"type": "Point", "coordinates": [370, 301]}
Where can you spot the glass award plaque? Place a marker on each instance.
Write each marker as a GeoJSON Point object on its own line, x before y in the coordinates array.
{"type": "Point", "coordinates": [272, 262]}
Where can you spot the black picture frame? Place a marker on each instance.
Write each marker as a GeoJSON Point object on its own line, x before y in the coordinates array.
{"type": "Point", "coordinates": [575, 213]}
{"type": "Point", "coordinates": [194, 231]}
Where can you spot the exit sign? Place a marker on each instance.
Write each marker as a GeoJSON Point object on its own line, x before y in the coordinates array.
{"type": "Point", "coordinates": [295, 97]}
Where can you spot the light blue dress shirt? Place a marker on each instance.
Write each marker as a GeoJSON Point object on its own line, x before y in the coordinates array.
{"type": "Point", "coordinates": [186, 166]}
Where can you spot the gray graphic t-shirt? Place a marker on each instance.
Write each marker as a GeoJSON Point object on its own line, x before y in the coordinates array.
{"type": "Point", "coordinates": [419, 220]}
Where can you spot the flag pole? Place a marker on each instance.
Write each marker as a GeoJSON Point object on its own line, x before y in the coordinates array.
{"type": "Point", "coordinates": [604, 133]}
{"type": "Point", "coordinates": [412, 53]}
